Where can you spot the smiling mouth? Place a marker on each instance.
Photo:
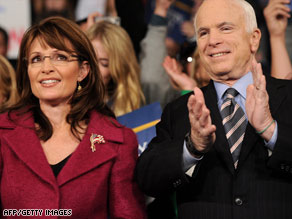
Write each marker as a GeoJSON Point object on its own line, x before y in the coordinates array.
{"type": "Point", "coordinates": [49, 81]}
{"type": "Point", "coordinates": [218, 54]}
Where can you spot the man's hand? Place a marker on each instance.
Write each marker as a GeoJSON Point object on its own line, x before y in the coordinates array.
{"type": "Point", "coordinates": [202, 131]}
{"type": "Point", "coordinates": [257, 103]}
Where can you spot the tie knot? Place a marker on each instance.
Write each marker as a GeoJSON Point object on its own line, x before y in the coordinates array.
{"type": "Point", "coordinates": [231, 93]}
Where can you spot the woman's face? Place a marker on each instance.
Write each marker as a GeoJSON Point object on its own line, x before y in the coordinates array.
{"type": "Point", "coordinates": [103, 60]}
{"type": "Point", "coordinates": [53, 74]}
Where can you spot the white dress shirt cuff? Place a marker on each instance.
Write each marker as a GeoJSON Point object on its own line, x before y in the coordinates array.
{"type": "Point", "coordinates": [271, 144]}
{"type": "Point", "coordinates": [188, 160]}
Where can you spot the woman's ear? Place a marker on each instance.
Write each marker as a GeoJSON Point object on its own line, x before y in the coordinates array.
{"type": "Point", "coordinates": [255, 40]}
{"type": "Point", "coordinates": [84, 70]}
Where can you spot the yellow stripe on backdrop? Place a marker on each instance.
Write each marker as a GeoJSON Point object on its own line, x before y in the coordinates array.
{"type": "Point", "coordinates": [145, 126]}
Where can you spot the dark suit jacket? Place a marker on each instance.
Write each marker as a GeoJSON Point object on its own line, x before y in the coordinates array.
{"type": "Point", "coordinates": [92, 184]}
{"type": "Point", "coordinates": [261, 186]}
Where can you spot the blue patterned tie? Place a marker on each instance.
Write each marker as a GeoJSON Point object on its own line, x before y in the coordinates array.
{"type": "Point", "coordinates": [234, 123]}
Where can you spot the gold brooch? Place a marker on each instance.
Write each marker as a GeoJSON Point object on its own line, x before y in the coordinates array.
{"type": "Point", "coordinates": [94, 138]}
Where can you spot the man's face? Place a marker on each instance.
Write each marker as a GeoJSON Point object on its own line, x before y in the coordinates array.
{"type": "Point", "coordinates": [225, 47]}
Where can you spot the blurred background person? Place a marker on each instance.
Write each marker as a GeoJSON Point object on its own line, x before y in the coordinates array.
{"type": "Point", "coordinates": [197, 71]}
{"type": "Point", "coordinates": [4, 45]}
{"type": "Point", "coordinates": [154, 80]}
{"type": "Point", "coordinates": [3, 42]}
{"type": "Point", "coordinates": [46, 8]}
{"type": "Point", "coordinates": [180, 12]}
{"type": "Point", "coordinates": [8, 91]}
{"type": "Point", "coordinates": [118, 66]}
{"type": "Point", "coordinates": [63, 147]}
{"type": "Point", "coordinates": [130, 13]}
{"type": "Point", "coordinates": [277, 14]}
{"type": "Point", "coordinates": [186, 81]}
{"type": "Point", "coordinates": [187, 27]}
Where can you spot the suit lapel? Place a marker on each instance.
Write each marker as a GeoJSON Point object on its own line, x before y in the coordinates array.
{"type": "Point", "coordinates": [26, 145]}
{"type": "Point", "coordinates": [221, 144]}
{"type": "Point", "coordinates": [276, 95]}
{"type": "Point", "coordinates": [83, 159]}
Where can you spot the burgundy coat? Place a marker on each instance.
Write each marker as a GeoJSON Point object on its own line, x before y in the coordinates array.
{"type": "Point", "coordinates": [91, 183]}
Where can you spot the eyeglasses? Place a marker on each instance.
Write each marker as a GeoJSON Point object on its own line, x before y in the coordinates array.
{"type": "Point", "coordinates": [56, 59]}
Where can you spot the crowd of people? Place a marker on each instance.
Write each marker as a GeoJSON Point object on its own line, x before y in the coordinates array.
{"type": "Point", "coordinates": [222, 147]}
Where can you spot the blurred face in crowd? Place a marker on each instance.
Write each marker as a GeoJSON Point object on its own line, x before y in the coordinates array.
{"type": "Point", "coordinates": [3, 47]}
{"type": "Point", "coordinates": [54, 80]}
{"type": "Point", "coordinates": [103, 60]}
{"type": "Point", "coordinates": [226, 49]}
{"type": "Point", "coordinates": [56, 5]}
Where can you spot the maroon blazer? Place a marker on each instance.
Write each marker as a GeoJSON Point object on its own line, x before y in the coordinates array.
{"type": "Point", "coordinates": [93, 184]}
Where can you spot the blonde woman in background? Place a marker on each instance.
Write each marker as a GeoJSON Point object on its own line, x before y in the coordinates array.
{"type": "Point", "coordinates": [8, 91]}
{"type": "Point", "coordinates": [118, 65]}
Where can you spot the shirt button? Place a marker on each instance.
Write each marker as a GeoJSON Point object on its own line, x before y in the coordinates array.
{"type": "Point", "coordinates": [238, 201]}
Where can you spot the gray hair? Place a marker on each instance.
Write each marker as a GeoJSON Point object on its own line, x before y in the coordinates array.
{"type": "Point", "coordinates": [249, 13]}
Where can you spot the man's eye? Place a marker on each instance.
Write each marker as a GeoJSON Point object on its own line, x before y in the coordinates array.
{"type": "Point", "coordinates": [36, 59]}
{"type": "Point", "coordinates": [226, 28]}
{"type": "Point", "coordinates": [202, 33]}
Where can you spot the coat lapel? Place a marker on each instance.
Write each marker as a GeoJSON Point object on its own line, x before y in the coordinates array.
{"type": "Point", "coordinates": [221, 143]}
{"type": "Point", "coordinates": [276, 95]}
{"type": "Point", "coordinates": [24, 142]}
{"type": "Point", "coordinates": [26, 145]}
{"type": "Point", "coordinates": [83, 159]}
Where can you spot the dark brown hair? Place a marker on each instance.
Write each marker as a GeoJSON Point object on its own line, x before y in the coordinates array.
{"type": "Point", "coordinates": [56, 32]}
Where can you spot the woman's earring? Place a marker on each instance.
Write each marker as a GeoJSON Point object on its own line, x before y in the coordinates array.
{"type": "Point", "coordinates": [79, 86]}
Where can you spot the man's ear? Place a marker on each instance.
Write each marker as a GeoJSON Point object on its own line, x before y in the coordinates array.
{"type": "Point", "coordinates": [84, 70]}
{"type": "Point", "coordinates": [255, 40]}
